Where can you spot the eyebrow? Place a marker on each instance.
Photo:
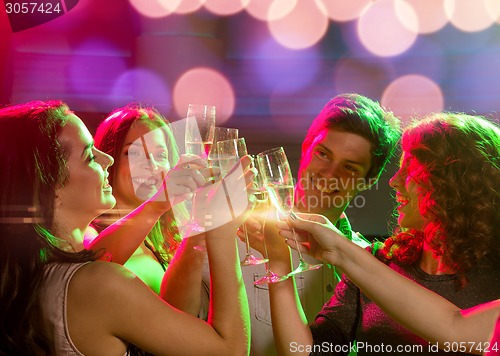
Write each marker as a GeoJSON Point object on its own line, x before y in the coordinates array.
{"type": "Point", "coordinates": [139, 144]}
{"type": "Point", "coordinates": [348, 160]}
{"type": "Point", "coordinates": [87, 147]}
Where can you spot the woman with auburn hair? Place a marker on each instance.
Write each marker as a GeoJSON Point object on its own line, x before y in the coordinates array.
{"type": "Point", "coordinates": [447, 190]}
{"type": "Point", "coordinates": [453, 158]}
{"type": "Point", "coordinates": [55, 296]}
{"type": "Point", "coordinates": [143, 146]}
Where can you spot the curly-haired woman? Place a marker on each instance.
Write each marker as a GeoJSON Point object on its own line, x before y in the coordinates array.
{"type": "Point", "coordinates": [448, 195]}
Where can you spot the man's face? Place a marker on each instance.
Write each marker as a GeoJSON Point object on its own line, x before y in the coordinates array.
{"type": "Point", "coordinates": [332, 171]}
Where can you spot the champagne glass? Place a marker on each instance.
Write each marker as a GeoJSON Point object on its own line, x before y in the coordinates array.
{"type": "Point", "coordinates": [262, 205]}
{"type": "Point", "coordinates": [220, 134]}
{"type": "Point", "coordinates": [199, 137]}
{"type": "Point", "coordinates": [229, 153]}
{"type": "Point", "coordinates": [200, 129]}
{"type": "Point", "coordinates": [279, 183]}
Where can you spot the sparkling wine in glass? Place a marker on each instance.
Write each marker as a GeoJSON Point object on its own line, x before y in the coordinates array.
{"type": "Point", "coordinates": [279, 183]}
{"type": "Point", "coordinates": [199, 137]}
{"type": "Point", "coordinates": [229, 152]}
{"type": "Point", "coordinates": [200, 129]}
{"type": "Point", "coordinates": [220, 134]}
{"type": "Point", "coordinates": [262, 207]}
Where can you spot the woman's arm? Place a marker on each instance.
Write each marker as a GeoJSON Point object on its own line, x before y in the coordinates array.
{"type": "Point", "coordinates": [289, 322]}
{"type": "Point", "coordinates": [107, 304]}
{"type": "Point", "coordinates": [124, 236]}
{"type": "Point", "coordinates": [182, 282]}
{"type": "Point", "coordinates": [420, 310]}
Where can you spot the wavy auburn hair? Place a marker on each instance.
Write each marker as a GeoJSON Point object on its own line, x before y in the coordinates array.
{"type": "Point", "coordinates": [110, 138]}
{"type": "Point", "coordinates": [455, 160]}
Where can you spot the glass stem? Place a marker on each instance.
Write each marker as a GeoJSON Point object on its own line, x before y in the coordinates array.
{"type": "Point", "coordinates": [247, 242]}
{"type": "Point", "coordinates": [296, 243]}
{"type": "Point", "coordinates": [266, 255]}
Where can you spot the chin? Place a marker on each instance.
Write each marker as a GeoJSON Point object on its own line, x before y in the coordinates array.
{"type": "Point", "coordinates": [109, 204]}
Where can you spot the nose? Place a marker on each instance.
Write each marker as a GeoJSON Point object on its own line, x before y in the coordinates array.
{"type": "Point", "coordinates": [150, 163]}
{"type": "Point", "coordinates": [330, 170]}
{"type": "Point", "coordinates": [104, 159]}
{"type": "Point", "coordinates": [395, 180]}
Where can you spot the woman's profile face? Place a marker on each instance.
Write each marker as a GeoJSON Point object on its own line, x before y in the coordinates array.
{"type": "Point", "coordinates": [86, 193]}
{"type": "Point", "coordinates": [142, 164]}
{"type": "Point", "coordinates": [407, 196]}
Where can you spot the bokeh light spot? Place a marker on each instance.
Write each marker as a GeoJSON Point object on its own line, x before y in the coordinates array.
{"type": "Point", "coordinates": [188, 6]}
{"type": "Point", "coordinates": [430, 14]}
{"type": "Point", "coordinates": [412, 96]}
{"type": "Point", "coordinates": [155, 8]}
{"type": "Point", "coordinates": [381, 31]}
{"type": "Point", "coordinates": [342, 10]}
{"type": "Point", "coordinates": [225, 7]}
{"type": "Point", "coordinates": [303, 27]}
{"type": "Point", "coordinates": [471, 16]}
{"type": "Point", "coordinates": [262, 10]}
{"type": "Point", "coordinates": [204, 86]}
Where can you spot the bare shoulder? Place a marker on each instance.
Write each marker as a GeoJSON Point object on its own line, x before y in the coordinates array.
{"type": "Point", "coordinates": [97, 279]}
{"type": "Point", "coordinates": [98, 295]}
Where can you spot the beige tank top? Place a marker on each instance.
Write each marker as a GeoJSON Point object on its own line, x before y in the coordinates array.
{"type": "Point", "coordinates": [53, 301]}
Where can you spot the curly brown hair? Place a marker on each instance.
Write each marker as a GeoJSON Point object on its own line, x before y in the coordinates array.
{"type": "Point", "coordinates": [455, 159]}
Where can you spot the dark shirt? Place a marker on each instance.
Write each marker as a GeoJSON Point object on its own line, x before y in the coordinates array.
{"type": "Point", "coordinates": [350, 315]}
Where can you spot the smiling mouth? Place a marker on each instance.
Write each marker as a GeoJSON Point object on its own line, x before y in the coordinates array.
{"type": "Point", "coordinates": [401, 200]}
{"type": "Point", "coordinates": [106, 186]}
{"type": "Point", "coordinates": [144, 181]}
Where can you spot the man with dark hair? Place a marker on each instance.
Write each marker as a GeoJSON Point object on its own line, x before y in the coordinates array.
{"type": "Point", "coordinates": [344, 152]}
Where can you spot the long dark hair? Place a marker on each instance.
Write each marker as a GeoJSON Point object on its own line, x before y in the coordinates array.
{"type": "Point", "coordinates": [33, 165]}
{"type": "Point", "coordinates": [110, 138]}
{"type": "Point", "coordinates": [455, 159]}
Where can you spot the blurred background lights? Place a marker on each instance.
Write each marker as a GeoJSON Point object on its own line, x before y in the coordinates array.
{"type": "Point", "coordinates": [342, 10]}
{"type": "Point", "coordinates": [431, 15]}
{"type": "Point", "coordinates": [204, 86]}
{"type": "Point", "coordinates": [381, 31]}
{"type": "Point", "coordinates": [471, 16]}
{"type": "Point", "coordinates": [280, 68]}
{"type": "Point", "coordinates": [142, 86]}
{"type": "Point", "coordinates": [225, 7]}
{"type": "Point", "coordinates": [302, 27]}
{"type": "Point", "coordinates": [412, 96]}
{"type": "Point", "coordinates": [268, 10]}
{"type": "Point", "coordinates": [188, 6]}
{"type": "Point", "coordinates": [155, 8]}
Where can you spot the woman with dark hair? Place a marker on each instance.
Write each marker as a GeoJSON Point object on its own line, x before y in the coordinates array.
{"type": "Point", "coordinates": [142, 144]}
{"type": "Point", "coordinates": [54, 296]}
{"type": "Point", "coordinates": [447, 189]}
